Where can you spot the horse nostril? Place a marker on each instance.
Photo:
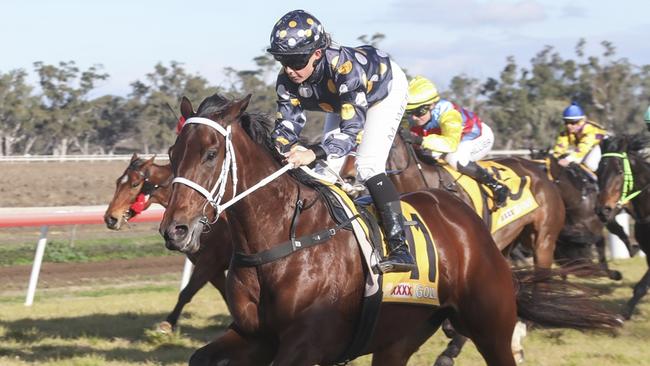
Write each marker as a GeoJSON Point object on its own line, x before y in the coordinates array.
{"type": "Point", "coordinates": [179, 232]}
{"type": "Point", "coordinates": [110, 221]}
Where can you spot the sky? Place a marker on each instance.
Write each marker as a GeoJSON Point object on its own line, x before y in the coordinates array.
{"type": "Point", "coordinates": [435, 38]}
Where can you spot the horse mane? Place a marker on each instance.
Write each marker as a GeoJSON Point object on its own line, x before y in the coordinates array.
{"type": "Point", "coordinates": [258, 127]}
{"type": "Point", "coordinates": [633, 144]}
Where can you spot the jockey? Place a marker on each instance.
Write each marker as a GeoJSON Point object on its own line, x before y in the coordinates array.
{"type": "Point", "coordinates": [442, 127]}
{"type": "Point", "coordinates": [646, 118]}
{"type": "Point", "coordinates": [363, 92]}
{"type": "Point", "coordinates": [579, 141]}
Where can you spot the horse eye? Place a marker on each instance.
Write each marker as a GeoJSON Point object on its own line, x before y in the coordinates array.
{"type": "Point", "coordinates": [211, 155]}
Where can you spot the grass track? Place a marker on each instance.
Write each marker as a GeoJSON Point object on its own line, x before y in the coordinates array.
{"type": "Point", "coordinates": [111, 325]}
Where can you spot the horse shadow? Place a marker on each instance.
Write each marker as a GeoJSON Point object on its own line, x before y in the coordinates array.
{"type": "Point", "coordinates": [128, 330]}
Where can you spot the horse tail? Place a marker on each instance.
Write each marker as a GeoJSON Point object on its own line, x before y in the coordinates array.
{"type": "Point", "coordinates": [546, 300]}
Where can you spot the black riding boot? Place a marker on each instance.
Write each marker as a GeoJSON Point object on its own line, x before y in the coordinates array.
{"type": "Point", "coordinates": [499, 191]}
{"type": "Point", "coordinates": [387, 202]}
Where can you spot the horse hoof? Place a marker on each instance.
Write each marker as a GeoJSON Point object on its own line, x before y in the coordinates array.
{"type": "Point", "coordinates": [627, 314]}
{"type": "Point", "coordinates": [165, 328]}
{"type": "Point", "coordinates": [443, 360]}
{"type": "Point", "coordinates": [615, 275]}
{"type": "Point", "coordinates": [634, 249]}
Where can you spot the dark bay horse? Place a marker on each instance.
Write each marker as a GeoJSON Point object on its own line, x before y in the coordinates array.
{"type": "Point", "coordinates": [582, 227]}
{"type": "Point", "coordinates": [624, 180]}
{"type": "Point", "coordinates": [210, 261]}
{"type": "Point", "coordinates": [538, 230]}
{"type": "Point", "coordinates": [302, 309]}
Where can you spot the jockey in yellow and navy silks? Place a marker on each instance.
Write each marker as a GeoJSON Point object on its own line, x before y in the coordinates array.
{"type": "Point", "coordinates": [579, 141]}
{"type": "Point", "coordinates": [363, 92]}
{"type": "Point", "coordinates": [441, 127]}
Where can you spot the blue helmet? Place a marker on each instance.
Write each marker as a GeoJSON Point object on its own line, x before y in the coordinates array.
{"type": "Point", "coordinates": [573, 112]}
{"type": "Point", "coordinates": [297, 33]}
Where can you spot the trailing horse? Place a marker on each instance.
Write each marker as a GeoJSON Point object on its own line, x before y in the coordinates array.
{"type": "Point", "coordinates": [624, 181]}
{"type": "Point", "coordinates": [582, 227]}
{"type": "Point", "coordinates": [303, 307]}
{"type": "Point", "coordinates": [144, 183]}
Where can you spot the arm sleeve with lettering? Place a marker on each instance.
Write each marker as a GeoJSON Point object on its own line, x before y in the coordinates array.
{"type": "Point", "coordinates": [591, 137]}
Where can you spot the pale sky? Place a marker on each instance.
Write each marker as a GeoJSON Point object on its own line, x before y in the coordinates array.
{"type": "Point", "coordinates": [435, 38]}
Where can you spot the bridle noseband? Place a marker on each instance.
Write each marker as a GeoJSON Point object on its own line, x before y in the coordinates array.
{"type": "Point", "coordinates": [229, 164]}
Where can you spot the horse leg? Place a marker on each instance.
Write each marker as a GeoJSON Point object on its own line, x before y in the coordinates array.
{"type": "Point", "coordinates": [232, 349]}
{"type": "Point", "coordinates": [616, 229]}
{"type": "Point", "coordinates": [455, 345]}
{"type": "Point", "coordinates": [642, 234]}
{"type": "Point", "coordinates": [398, 353]}
{"type": "Point", "coordinates": [198, 279]}
{"type": "Point", "coordinates": [602, 261]}
{"type": "Point", "coordinates": [640, 289]}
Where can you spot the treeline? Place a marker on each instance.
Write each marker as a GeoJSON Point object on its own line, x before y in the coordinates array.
{"type": "Point", "coordinates": [60, 116]}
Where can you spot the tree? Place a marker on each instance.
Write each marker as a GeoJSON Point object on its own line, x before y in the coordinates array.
{"type": "Point", "coordinates": [19, 111]}
{"type": "Point", "coordinates": [64, 96]}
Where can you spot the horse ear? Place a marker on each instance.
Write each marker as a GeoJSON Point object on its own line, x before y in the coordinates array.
{"type": "Point", "coordinates": [134, 157]}
{"type": "Point", "coordinates": [186, 108]}
{"type": "Point", "coordinates": [241, 105]}
{"type": "Point", "coordinates": [150, 161]}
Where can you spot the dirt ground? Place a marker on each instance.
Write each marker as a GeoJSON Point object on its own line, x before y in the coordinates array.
{"type": "Point", "coordinates": [58, 184]}
{"type": "Point", "coordinates": [68, 184]}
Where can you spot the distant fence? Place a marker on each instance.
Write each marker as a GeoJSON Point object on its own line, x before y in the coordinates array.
{"type": "Point", "coordinates": [67, 215]}
{"type": "Point", "coordinates": [159, 157]}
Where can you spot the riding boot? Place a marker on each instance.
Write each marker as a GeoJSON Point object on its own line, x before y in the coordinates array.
{"type": "Point", "coordinates": [386, 200]}
{"type": "Point", "coordinates": [499, 191]}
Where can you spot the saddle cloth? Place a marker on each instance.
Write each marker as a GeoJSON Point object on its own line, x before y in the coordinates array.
{"type": "Point", "coordinates": [519, 203]}
{"type": "Point", "coordinates": [416, 287]}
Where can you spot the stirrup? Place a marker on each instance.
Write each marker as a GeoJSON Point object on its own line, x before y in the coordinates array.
{"type": "Point", "coordinates": [388, 266]}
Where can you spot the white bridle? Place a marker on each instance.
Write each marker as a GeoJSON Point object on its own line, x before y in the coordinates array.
{"type": "Point", "coordinates": [229, 164]}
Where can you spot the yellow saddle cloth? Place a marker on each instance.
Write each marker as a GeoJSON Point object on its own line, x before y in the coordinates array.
{"type": "Point", "coordinates": [519, 203]}
{"type": "Point", "coordinates": [416, 287]}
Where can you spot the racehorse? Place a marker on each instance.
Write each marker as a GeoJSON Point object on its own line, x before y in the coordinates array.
{"type": "Point", "coordinates": [153, 181]}
{"type": "Point", "coordinates": [582, 227]}
{"type": "Point", "coordinates": [624, 179]}
{"type": "Point", "coordinates": [302, 308]}
{"type": "Point", "coordinates": [538, 230]}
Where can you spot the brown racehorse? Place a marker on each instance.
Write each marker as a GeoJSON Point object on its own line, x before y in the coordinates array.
{"type": "Point", "coordinates": [302, 308]}
{"type": "Point", "coordinates": [582, 227]}
{"type": "Point", "coordinates": [211, 261]}
{"type": "Point", "coordinates": [624, 182]}
{"type": "Point", "coordinates": [538, 229]}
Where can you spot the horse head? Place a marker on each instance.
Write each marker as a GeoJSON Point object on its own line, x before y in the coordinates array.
{"type": "Point", "coordinates": [204, 161]}
{"type": "Point", "coordinates": [134, 181]}
{"type": "Point", "coordinates": [611, 175]}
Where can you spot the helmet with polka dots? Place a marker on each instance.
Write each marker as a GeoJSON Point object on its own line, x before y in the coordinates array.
{"type": "Point", "coordinates": [297, 33]}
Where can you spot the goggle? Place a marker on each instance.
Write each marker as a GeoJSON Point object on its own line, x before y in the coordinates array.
{"type": "Point", "coordinates": [419, 111]}
{"type": "Point", "coordinates": [294, 62]}
{"type": "Point", "coordinates": [571, 121]}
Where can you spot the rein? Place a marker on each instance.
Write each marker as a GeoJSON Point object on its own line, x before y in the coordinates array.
{"type": "Point", "coordinates": [229, 164]}
{"type": "Point", "coordinates": [628, 179]}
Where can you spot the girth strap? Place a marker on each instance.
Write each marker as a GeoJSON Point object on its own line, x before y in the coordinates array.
{"type": "Point", "coordinates": [288, 247]}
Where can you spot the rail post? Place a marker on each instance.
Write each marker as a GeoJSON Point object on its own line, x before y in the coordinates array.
{"type": "Point", "coordinates": [36, 267]}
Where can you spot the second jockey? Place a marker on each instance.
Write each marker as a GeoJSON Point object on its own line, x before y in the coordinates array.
{"type": "Point", "coordinates": [444, 128]}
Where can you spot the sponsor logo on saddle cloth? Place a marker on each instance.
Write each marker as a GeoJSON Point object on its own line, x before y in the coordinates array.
{"type": "Point", "coordinates": [416, 287]}
{"type": "Point", "coordinates": [519, 203]}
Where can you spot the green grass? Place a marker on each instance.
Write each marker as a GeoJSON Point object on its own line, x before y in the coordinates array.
{"type": "Point", "coordinates": [113, 325]}
{"type": "Point", "coordinates": [85, 250]}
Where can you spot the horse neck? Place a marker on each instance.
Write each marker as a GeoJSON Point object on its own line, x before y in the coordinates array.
{"type": "Point", "coordinates": [641, 173]}
{"type": "Point", "coordinates": [161, 176]}
{"type": "Point", "coordinates": [408, 177]}
{"type": "Point", "coordinates": [263, 217]}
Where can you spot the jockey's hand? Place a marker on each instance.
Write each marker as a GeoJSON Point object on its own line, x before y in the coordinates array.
{"type": "Point", "coordinates": [299, 156]}
{"type": "Point", "coordinates": [564, 162]}
{"type": "Point", "coordinates": [410, 138]}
